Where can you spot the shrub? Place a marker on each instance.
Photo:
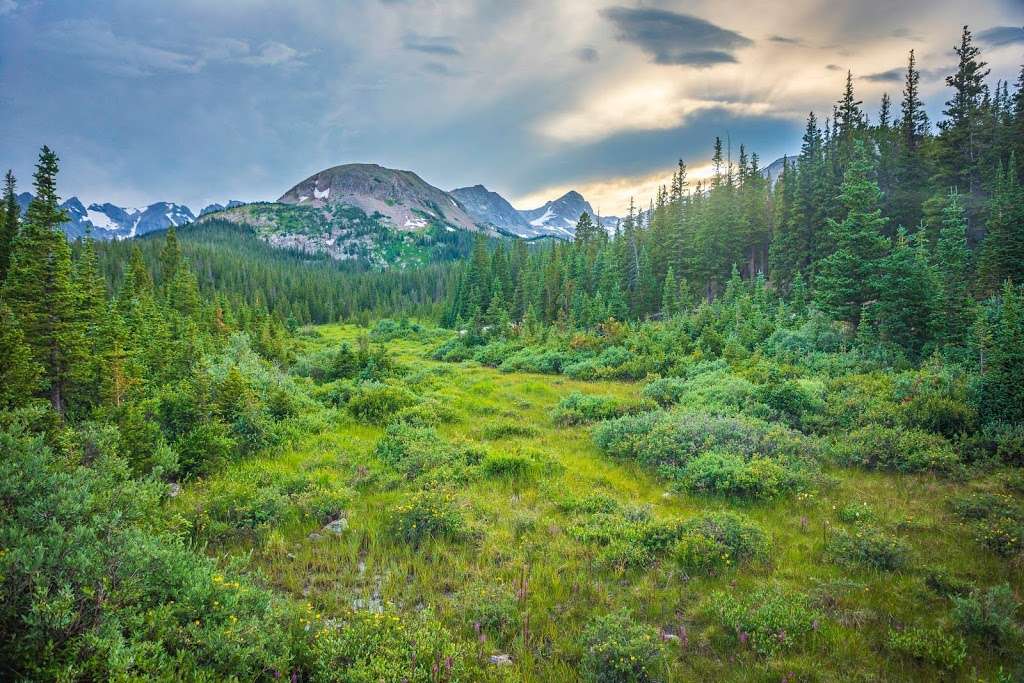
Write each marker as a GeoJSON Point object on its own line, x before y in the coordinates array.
{"type": "Point", "coordinates": [386, 329]}
{"type": "Point", "coordinates": [389, 648]}
{"type": "Point", "coordinates": [719, 540]}
{"type": "Point", "coordinates": [1007, 441]}
{"type": "Point", "coordinates": [454, 350]}
{"type": "Point", "coordinates": [990, 615]}
{"type": "Point", "coordinates": [769, 619]}
{"type": "Point", "coordinates": [92, 593]}
{"type": "Point", "coordinates": [869, 547]}
{"type": "Point", "coordinates": [896, 449]}
{"type": "Point", "coordinates": [495, 353]}
{"type": "Point", "coordinates": [614, 362]}
{"type": "Point", "coordinates": [790, 399]}
{"type": "Point", "coordinates": [665, 391]}
{"type": "Point", "coordinates": [618, 650]}
{"type": "Point", "coordinates": [728, 474]}
{"type": "Point", "coordinates": [494, 607]}
{"type": "Point", "coordinates": [413, 450]}
{"type": "Point", "coordinates": [578, 408]}
{"type": "Point", "coordinates": [205, 448]}
{"type": "Point", "coordinates": [588, 505]}
{"type": "Point", "coordinates": [545, 361]}
{"type": "Point", "coordinates": [671, 439]}
{"type": "Point", "coordinates": [428, 515]}
{"type": "Point", "coordinates": [377, 403]}
{"type": "Point", "coordinates": [931, 645]}
{"type": "Point", "coordinates": [857, 513]}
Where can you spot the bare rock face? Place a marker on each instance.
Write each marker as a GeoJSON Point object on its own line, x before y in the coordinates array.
{"type": "Point", "coordinates": [408, 202]}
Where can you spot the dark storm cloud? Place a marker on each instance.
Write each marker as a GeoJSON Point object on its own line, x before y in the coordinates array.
{"type": "Point", "coordinates": [1002, 35]}
{"type": "Point", "coordinates": [675, 38]}
{"type": "Point", "coordinates": [893, 75]}
{"type": "Point", "coordinates": [442, 46]}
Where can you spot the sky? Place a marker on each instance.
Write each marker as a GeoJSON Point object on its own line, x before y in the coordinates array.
{"type": "Point", "coordinates": [201, 101]}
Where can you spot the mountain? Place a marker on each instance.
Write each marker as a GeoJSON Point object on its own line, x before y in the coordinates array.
{"type": "Point", "coordinates": [490, 208]}
{"type": "Point", "coordinates": [773, 171]}
{"type": "Point", "coordinates": [558, 217]}
{"type": "Point", "coordinates": [401, 198]}
{"type": "Point", "coordinates": [108, 221]}
{"type": "Point", "coordinates": [210, 208]}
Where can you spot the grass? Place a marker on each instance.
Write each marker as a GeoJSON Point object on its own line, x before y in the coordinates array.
{"type": "Point", "coordinates": [520, 544]}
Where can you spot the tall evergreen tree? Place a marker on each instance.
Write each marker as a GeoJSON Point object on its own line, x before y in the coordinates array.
{"type": "Point", "coordinates": [1002, 253]}
{"type": "Point", "coordinates": [39, 287]}
{"type": "Point", "coordinates": [959, 139]}
{"type": "Point", "coordinates": [848, 278]}
{"type": "Point", "coordinates": [953, 264]}
{"type": "Point", "coordinates": [10, 216]}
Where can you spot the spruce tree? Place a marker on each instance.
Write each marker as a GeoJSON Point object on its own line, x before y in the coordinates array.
{"type": "Point", "coordinates": [908, 288]}
{"type": "Point", "coordinates": [959, 139]}
{"type": "Point", "coordinates": [953, 264]}
{"type": "Point", "coordinates": [1001, 326]}
{"type": "Point", "coordinates": [10, 216]}
{"type": "Point", "coordinates": [19, 371]}
{"type": "Point", "coordinates": [670, 294]}
{"type": "Point", "coordinates": [1002, 253]}
{"type": "Point", "coordinates": [848, 278]}
{"type": "Point", "coordinates": [39, 287]}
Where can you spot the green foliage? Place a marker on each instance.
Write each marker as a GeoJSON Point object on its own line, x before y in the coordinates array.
{"type": "Point", "coordinates": [730, 475]}
{"type": "Point", "coordinates": [428, 515]}
{"type": "Point", "coordinates": [379, 403]}
{"type": "Point", "coordinates": [895, 449]}
{"type": "Point", "coordinates": [619, 650]}
{"type": "Point", "coordinates": [989, 615]}
{"type": "Point", "coordinates": [769, 620]}
{"type": "Point", "coordinates": [717, 541]}
{"type": "Point", "coordinates": [579, 408]}
{"type": "Point", "coordinates": [867, 546]}
{"type": "Point", "coordinates": [930, 645]}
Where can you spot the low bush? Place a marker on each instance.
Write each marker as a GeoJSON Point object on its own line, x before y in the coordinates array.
{"type": "Point", "coordinates": [867, 546]}
{"type": "Point", "coordinates": [619, 650]}
{"type": "Point", "coordinates": [895, 449]}
{"type": "Point", "coordinates": [665, 391]}
{"type": "Point", "coordinates": [578, 408]}
{"type": "Point", "coordinates": [769, 620]}
{"type": "Point", "coordinates": [495, 353]}
{"type": "Point", "coordinates": [989, 615]}
{"type": "Point", "coordinates": [857, 513]}
{"type": "Point", "coordinates": [670, 439]}
{"type": "Point", "coordinates": [1006, 441]}
{"type": "Point", "coordinates": [718, 541]}
{"type": "Point", "coordinates": [540, 360]}
{"type": "Point", "coordinates": [614, 362]}
{"type": "Point", "coordinates": [420, 451]}
{"type": "Point", "coordinates": [506, 430]}
{"type": "Point", "coordinates": [930, 645]}
{"type": "Point", "coordinates": [728, 474]}
{"type": "Point", "coordinates": [491, 607]}
{"type": "Point", "coordinates": [378, 403]}
{"type": "Point", "coordinates": [428, 515]}
{"type": "Point", "coordinates": [588, 505]}
{"type": "Point", "coordinates": [390, 648]}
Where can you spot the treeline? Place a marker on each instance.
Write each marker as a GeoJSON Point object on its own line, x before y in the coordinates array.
{"type": "Point", "coordinates": [231, 262]}
{"type": "Point", "coordinates": [893, 227]}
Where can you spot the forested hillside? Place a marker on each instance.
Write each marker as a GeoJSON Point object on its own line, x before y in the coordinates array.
{"type": "Point", "coordinates": [765, 431]}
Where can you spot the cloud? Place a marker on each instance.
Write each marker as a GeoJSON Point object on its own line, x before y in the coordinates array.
{"type": "Point", "coordinates": [443, 46]}
{"type": "Point", "coordinates": [587, 54]}
{"type": "Point", "coordinates": [673, 38]}
{"type": "Point", "coordinates": [96, 44]}
{"type": "Point", "coordinates": [785, 40]}
{"type": "Point", "coordinates": [440, 69]}
{"type": "Point", "coordinates": [898, 73]}
{"type": "Point", "coordinates": [7, 6]}
{"type": "Point", "coordinates": [1002, 35]}
{"type": "Point", "coordinates": [833, 67]}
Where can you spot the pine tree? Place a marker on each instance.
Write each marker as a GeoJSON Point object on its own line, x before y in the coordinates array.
{"type": "Point", "coordinates": [10, 216]}
{"type": "Point", "coordinates": [953, 263]}
{"type": "Point", "coordinates": [19, 371]}
{"type": "Point", "coordinates": [1002, 325]}
{"type": "Point", "coordinates": [958, 142]}
{"type": "Point", "coordinates": [170, 257]}
{"type": "Point", "coordinates": [670, 294]}
{"type": "Point", "coordinates": [910, 186]}
{"type": "Point", "coordinates": [907, 294]}
{"type": "Point", "coordinates": [1002, 253]}
{"type": "Point", "coordinates": [848, 278]}
{"type": "Point", "coordinates": [39, 287]}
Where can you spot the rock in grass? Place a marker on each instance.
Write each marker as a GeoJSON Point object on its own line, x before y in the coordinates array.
{"type": "Point", "coordinates": [337, 526]}
{"type": "Point", "coordinates": [501, 660]}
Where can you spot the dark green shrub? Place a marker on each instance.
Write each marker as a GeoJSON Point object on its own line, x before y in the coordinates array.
{"type": "Point", "coordinates": [868, 547]}
{"type": "Point", "coordinates": [618, 650]}
{"type": "Point", "coordinates": [769, 620]}
{"type": "Point", "coordinates": [545, 361]}
{"type": "Point", "coordinates": [720, 540]}
{"type": "Point", "coordinates": [416, 451]}
{"type": "Point", "coordinates": [509, 467]}
{"type": "Point", "coordinates": [205, 448]}
{"type": "Point", "coordinates": [665, 391]}
{"type": "Point", "coordinates": [588, 505]}
{"type": "Point", "coordinates": [495, 353]}
{"type": "Point", "coordinates": [930, 645]}
{"type": "Point", "coordinates": [990, 615]}
{"type": "Point", "coordinates": [895, 449]}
